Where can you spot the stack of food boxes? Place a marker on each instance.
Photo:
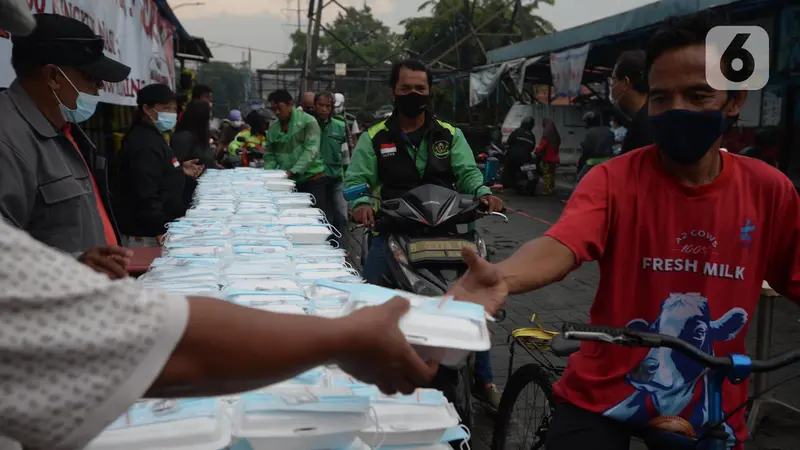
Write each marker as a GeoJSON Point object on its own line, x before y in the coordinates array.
{"type": "Point", "coordinates": [250, 239]}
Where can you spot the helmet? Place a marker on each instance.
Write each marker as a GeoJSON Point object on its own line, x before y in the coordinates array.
{"type": "Point", "coordinates": [527, 123]}
{"type": "Point", "coordinates": [235, 115]}
{"type": "Point", "coordinates": [592, 119]}
{"type": "Point", "coordinates": [338, 103]}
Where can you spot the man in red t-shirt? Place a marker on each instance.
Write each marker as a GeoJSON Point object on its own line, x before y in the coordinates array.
{"type": "Point", "coordinates": [684, 234]}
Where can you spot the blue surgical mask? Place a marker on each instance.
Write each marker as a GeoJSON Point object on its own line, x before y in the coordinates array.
{"type": "Point", "coordinates": [685, 136]}
{"type": "Point", "coordinates": [85, 104]}
{"type": "Point", "coordinates": [166, 121]}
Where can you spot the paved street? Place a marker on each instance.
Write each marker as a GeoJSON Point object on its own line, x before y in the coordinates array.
{"type": "Point", "coordinates": [570, 301]}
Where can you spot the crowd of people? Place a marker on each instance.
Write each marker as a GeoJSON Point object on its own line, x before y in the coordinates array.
{"type": "Point", "coordinates": [80, 346]}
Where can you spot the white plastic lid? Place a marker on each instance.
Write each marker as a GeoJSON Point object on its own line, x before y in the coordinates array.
{"type": "Point", "coordinates": [200, 424]}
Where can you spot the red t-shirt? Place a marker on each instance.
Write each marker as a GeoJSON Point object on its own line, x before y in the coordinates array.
{"type": "Point", "coordinates": [111, 237]}
{"type": "Point", "coordinates": [678, 260]}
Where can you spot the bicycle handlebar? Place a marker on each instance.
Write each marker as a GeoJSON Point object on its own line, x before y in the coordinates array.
{"type": "Point", "coordinates": [642, 339]}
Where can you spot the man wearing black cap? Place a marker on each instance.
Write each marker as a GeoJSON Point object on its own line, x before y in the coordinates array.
{"type": "Point", "coordinates": [52, 180]}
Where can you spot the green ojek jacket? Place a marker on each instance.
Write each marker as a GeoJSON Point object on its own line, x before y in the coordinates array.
{"type": "Point", "coordinates": [296, 150]}
{"type": "Point", "coordinates": [333, 136]}
{"type": "Point", "coordinates": [363, 168]}
{"type": "Point", "coordinates": [250, 138]}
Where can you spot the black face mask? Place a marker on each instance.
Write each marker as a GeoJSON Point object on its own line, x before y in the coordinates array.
{"type": "Point", "coordinates": [411, 105]}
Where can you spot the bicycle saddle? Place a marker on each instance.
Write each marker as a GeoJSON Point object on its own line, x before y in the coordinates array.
{"type": "Point", "coordinates": [564, 347]}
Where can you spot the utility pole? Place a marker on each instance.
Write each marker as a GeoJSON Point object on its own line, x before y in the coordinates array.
{"type": "Point", "coordinates": [315, 42]}
{"type": "Point", "coordinates": [309, 45]}
{"type": "Point", "coordinates": [298, 14]}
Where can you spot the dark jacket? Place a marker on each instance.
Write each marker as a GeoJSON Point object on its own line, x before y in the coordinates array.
{"type": "Point", "coordinates": [186, 146]}
{"type": "Point", "coordinates": [521, 143]}
{"type": "Point", "coordinates": [598, 143]}
{"type": "Point", "coordinates": [151, 188]}
{"type": "Point", "coordinates": [639, 134]}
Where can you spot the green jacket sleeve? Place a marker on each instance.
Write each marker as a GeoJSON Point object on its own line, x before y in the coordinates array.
{"type": "Point", "coordinates": [469, 177]}
{"type": "Point", "coordinates": [336, 153]}
{"type": "Point", "coordinates": [363, 169]}
{"type": "Point", "coordinates": [310, 150]}
{"type": "Point", "coordinates": [270, 158]}
{"type": "Point", "coordinates": [235, 145]}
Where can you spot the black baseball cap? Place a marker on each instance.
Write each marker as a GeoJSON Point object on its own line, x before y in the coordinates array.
{"type": "Point", "coordinates": [67, 42]}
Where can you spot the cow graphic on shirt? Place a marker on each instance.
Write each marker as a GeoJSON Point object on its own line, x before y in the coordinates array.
{"type": "Point", "coordinates": [667, 382]}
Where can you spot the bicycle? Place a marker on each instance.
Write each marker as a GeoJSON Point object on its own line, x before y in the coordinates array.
{"type": "Point", "coordinates": [735, 368]}
{"type": "Point", "coordinates": [538, 343]}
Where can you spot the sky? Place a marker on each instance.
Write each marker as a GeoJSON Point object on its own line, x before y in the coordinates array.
{"type": "Point", "coordinates": [265, 25]}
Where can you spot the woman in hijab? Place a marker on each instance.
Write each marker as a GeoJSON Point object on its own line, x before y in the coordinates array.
{"type": "Point", "coordinates": [548, 152]}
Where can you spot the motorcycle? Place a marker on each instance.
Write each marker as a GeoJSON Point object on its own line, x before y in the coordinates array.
{"type": "Point", "coordinates": [250, 155]}
{"type": "Point", "coordinates": [423, 249]}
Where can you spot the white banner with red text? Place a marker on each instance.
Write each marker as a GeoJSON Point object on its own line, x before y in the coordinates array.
{"type": "Point", "coordinates": [135, 34]}
{"type": "Point", "coordinates": [567, 70]}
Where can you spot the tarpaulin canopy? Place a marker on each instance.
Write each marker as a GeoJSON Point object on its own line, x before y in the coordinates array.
{"type": "Point", "coordinates": [483, 80]}
{"type": "Point", "coordinates": [635, 19]}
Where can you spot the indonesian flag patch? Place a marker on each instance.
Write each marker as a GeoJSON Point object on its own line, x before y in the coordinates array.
{"type": "Point", "coordinates": [388, 149]}
{"type": "Point", "coordinates": [175, 163]}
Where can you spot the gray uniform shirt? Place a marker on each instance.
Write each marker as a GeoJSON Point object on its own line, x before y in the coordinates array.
{"type": "Point", "coordinates": [45, 187]}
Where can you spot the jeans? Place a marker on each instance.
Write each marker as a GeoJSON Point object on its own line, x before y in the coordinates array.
{"type": "Point", "coordinates": [376, 265]}
{"type": "Point", "coordinates": [338, 207]}
{"type": "Point", "coordinates": [483, 369]}
{"type": "Point", "coordinates": [317, 187]}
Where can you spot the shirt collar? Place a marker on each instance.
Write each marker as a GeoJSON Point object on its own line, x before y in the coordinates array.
{"type": "Point", "coordinates": [30, 112]}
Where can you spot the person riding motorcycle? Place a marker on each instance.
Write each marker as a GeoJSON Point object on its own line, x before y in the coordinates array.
{"type": "Point", "coordinates": [597, 146]}
{"type": "Point", "coordinates": [410, 149]}
{"type": "Point", "coordinates": [521, 144]}
{"type": "Point", "coordinates": [253, 138]}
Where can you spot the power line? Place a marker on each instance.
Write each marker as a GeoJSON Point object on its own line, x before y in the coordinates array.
{"type": "Point", "coordinates": [257, 50]}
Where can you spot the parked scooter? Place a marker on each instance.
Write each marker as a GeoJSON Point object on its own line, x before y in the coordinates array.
{"type": "Point", "coordinates": [423, 249]}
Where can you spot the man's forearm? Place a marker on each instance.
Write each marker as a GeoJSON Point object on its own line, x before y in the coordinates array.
{"type": "Point", "coordinates": [536, 264]}
{"type": "Point", "coordinates": [228, 348]}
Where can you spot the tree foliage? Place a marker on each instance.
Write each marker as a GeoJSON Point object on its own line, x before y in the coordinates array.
{"type": "Point", "coordinates": [448, 21]}
{"type": "Point", "coordinates": [356, 38]}
{"type": "Point", "coordinates": [226, 81]}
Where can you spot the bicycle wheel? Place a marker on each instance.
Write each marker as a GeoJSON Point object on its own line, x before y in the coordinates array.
{"type": "Point", "coordinates": [527, 432]}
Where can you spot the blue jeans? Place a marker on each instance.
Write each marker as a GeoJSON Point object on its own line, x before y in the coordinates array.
{"type": "Point", "coordinates": [376, 265]}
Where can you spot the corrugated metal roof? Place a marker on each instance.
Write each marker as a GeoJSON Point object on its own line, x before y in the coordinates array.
{"type": "Point", "coordinates": [642, 17]}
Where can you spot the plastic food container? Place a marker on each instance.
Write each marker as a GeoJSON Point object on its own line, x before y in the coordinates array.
{"type": "Point", "coordinates": [438, 328]}
{"type": "Point", "coordinates": [408, 424]}
{"type": "Point", "coordinates": [306, 212]}
{"type": "Point", "coordinates": [301, 418]}
{"type": "Point", "coordinates": [299, 220]}
{"type": "Point", "coordinates": [279, 185]}
{"type": "Point", "coordinates": [282, 309]}
{"type": "Point", "coordinates": [268, 284]}
{"type": "Point", "coordinates": [168, 425]}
